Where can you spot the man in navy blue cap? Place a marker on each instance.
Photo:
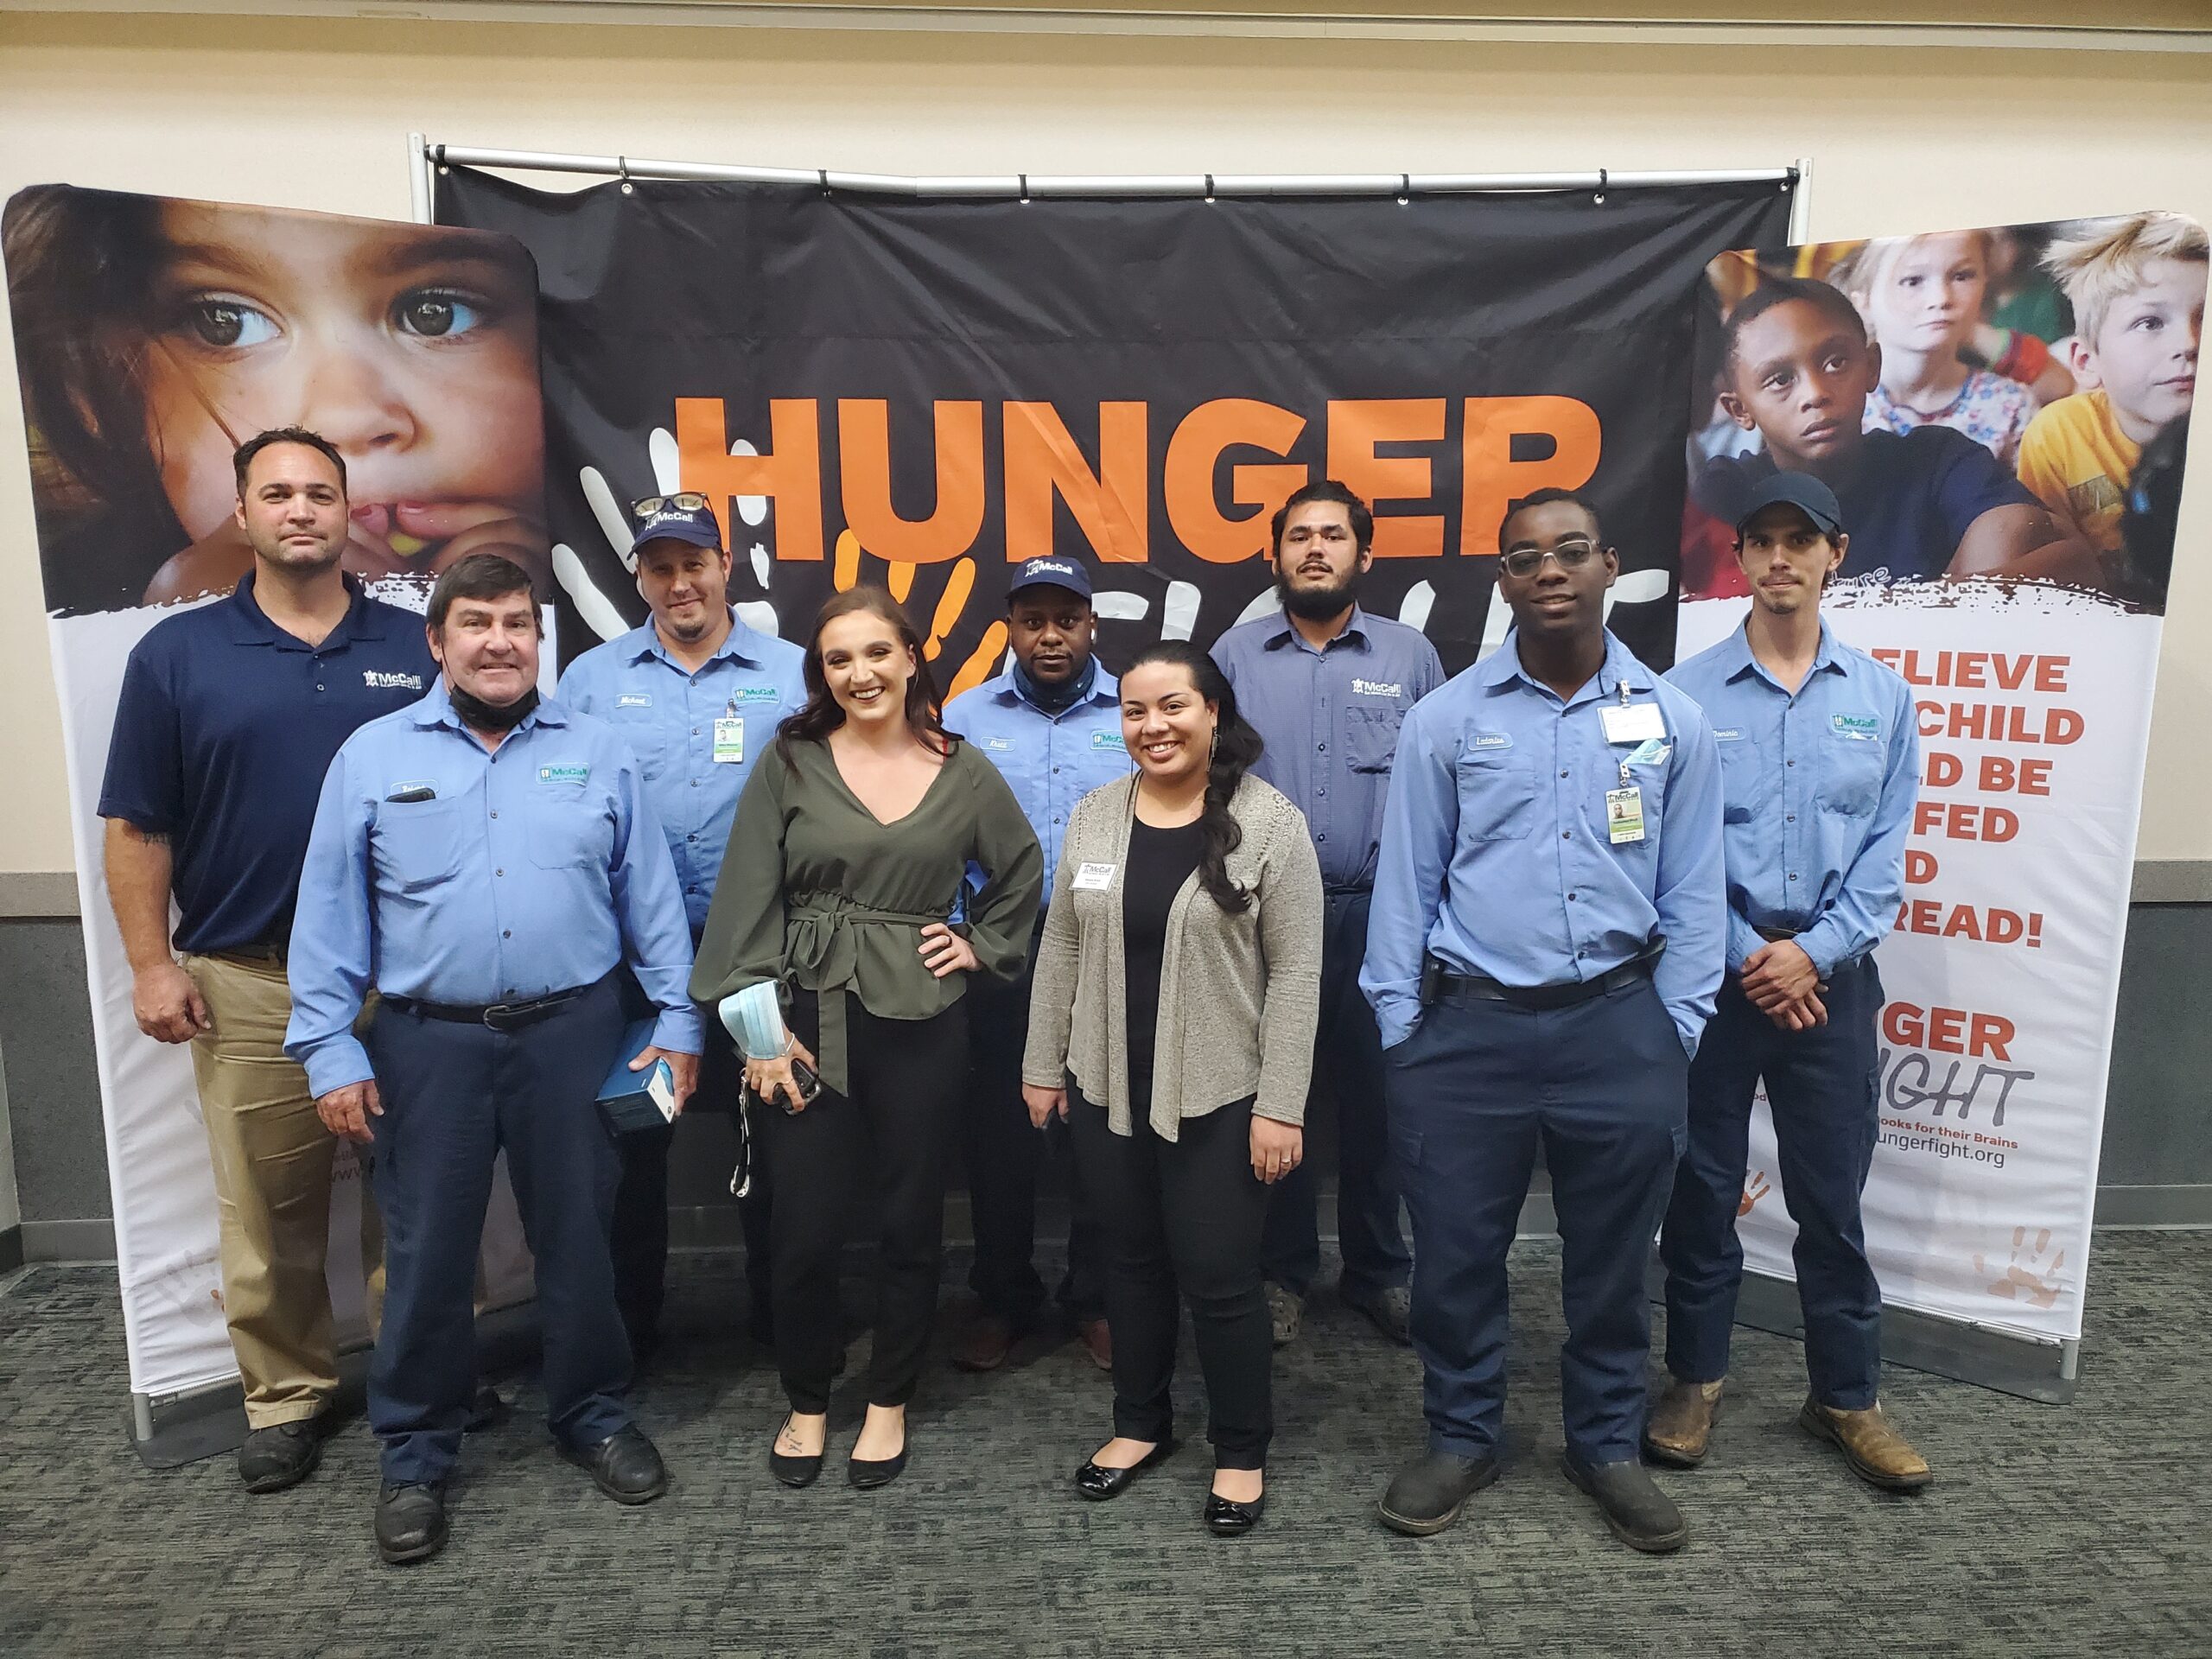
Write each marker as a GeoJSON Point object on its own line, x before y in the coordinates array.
{"type": "Point", "coordinates": [697, 694]}
{"type": "Point", "coordinates": [1051, 721]}
{"type": "Point", "coordinates": [1820, 764]}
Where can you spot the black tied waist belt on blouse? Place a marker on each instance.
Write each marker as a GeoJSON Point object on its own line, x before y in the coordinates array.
{"type": "Point", "coordinates": [1439, 984]}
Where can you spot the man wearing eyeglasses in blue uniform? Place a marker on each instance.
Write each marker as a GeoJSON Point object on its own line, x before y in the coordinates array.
{"type": "Point", "coordinates": [697, 694]}
{"type": "Point", "coordinates": [1548, 933]}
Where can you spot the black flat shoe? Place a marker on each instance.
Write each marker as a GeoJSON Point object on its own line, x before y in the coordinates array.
{"type": "Point", "coordinates": [1097, 1483]}
{"type": "Point", "coordinates": [1226, 1518]}
{"type": "Point", "coordinates": [792, 1471]}
{"type": "Point", "coordinates": [868, 1473]}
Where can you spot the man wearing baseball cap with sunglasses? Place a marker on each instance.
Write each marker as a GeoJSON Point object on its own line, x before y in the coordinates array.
{"type": "Point", "coordinates": [698, 694]}
{"type": "Point", "coordinates": [1820, 770]}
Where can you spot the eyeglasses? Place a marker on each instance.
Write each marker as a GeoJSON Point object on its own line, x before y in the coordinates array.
{"type": "Point", "coordinates": [1524, 562]}
{"type": "Point", "coordinates": [683, 500]}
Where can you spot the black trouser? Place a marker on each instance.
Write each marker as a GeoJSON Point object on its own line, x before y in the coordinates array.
{"type": "Point", "coordinates": [879, 1148]}
{"type": "Point", "coordinates": [640, 1238]}
{"type": "Point", "coordinates": [1348, 1053]}
{"type": "Point", "coordinates": [456, 1096]}
{"type": "Point", "coordinates": [1003, 1151]}
{"type": "Point", "coordinates": [1184, 1214]}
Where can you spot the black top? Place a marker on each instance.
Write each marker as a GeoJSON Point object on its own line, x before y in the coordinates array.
{"type": "Point", "coordinates": [1160, 861]}
{"type": "Point", "coordinates": [224, 730]}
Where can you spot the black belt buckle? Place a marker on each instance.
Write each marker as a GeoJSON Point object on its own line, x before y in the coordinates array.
{"type": "Point", "coordinates": [513, 1016]}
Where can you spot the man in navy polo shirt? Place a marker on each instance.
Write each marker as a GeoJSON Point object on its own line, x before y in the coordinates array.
{"type": "Point", "coordinates": [697, 694]}
{"type": "Point", "coordinates": [228, 719]}
{"type": "Point", "coordinates": [1052, 723]}
{"type": "Point", "coordinates": [1327, 686]}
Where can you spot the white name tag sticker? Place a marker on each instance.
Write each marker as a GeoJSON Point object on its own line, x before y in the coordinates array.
{"type": "Point", "coordinates": [1632, 722]}
{"type": "Point", "coordinates": [1625, 814]}
{"type": "Point", "coordinates": [729, 739]}
{"type": "Point", "coordinates": [1095, 877]}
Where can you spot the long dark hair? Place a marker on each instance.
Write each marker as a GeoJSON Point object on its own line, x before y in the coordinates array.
{"type": "Point", "coordinates": [1236, 746]}
{"type": "Point", "coordinates": [822, 716]}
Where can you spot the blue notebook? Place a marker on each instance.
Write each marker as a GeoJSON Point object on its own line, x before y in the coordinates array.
{"type": "Point", "coordinates": [637, 1100]}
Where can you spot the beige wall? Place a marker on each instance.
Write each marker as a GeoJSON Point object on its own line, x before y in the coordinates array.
{"type": "Point", "coordinates": [315, 114]}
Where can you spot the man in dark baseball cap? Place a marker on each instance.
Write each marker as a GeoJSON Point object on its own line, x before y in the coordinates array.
{"type": "Point", "coordinates": [1819, 771]}
{"type": "Point", "coordinates": [1051, 720]}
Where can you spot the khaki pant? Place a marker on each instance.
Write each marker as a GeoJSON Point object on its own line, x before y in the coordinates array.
{"type": "Point", "coordinates": [273, 1160]}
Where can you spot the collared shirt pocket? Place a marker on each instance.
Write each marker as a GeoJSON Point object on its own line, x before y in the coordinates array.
{"type": "Point", "coordinates": [1851, 774]}
{"type": "Point", "coordinates": [648, 737]}
{"type": "Point", "coordinates": [1497, 795]}
{"type": "Point", "coordinates": [1744, 781]}
{"type": "Point", "coordinates": [571, 825]}
{"type": "Point", "coordinates": [417, 844]}
{"type": "Point", "coordinates": [1372, 735]}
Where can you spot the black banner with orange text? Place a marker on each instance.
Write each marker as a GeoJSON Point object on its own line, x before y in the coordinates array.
{"type": "Point", "coordinates": [924, 392]}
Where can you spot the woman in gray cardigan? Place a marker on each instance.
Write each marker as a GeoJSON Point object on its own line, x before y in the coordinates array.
{"type": "Point", "coordinates": [1177, 983]}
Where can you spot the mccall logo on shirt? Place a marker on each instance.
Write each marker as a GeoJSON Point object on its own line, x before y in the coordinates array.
{"type": "Point", "coordinates": [1377, 689]}
{"type": "Point", "coordinates": [563, 774]}
{"type": "Point", "coordinates": [376, 680]}
{"type": "Point", "coordinates": [1860, 725]}
{"type": "Point", "coordinates": [1108, 740]}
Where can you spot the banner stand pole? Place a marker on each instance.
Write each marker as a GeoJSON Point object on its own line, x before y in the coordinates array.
{"type": "Point", "coordinates": [422, 182]}
{"type": "Point", "coordinates": [1801, 203]}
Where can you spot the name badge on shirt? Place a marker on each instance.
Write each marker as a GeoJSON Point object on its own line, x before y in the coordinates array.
{"type": "Point", "coordinates": [1095, 877]}
{"type": "Point", "coordinates": [1632, 722]}
{"type": "Point", "coordinates": [729, 739]}
{"type": "Point", "coordinates": [1625, 814]}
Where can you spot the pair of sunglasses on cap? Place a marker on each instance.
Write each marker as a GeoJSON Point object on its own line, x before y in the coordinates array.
{"type": "Point", "coordinates": [684, 501]}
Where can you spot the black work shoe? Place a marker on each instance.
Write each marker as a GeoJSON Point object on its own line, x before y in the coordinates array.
{"type": "Point", "coordinates": [411, 1522]}
{"type": "Point", "coordinates": [1641, 1515]}
{"type": "Point", "coordinates": [623, 1465]}
{"type": "Point", "coordinates": [1389, 1310]}
{"type": "Point", "coordinates": [1429, 1492]}
{"type": "Point", "coordinates": [281, 1455]}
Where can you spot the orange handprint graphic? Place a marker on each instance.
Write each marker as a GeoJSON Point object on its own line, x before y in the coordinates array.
{"type": "Point", "coordinates": [2024, 1279]}
{"type": "Point", "coordinates": [945, 617]}
{"type": "Point", "coordinates": [1754, 1190]}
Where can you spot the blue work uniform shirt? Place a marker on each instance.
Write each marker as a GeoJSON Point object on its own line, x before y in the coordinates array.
{"type": "Point", "coordinates": [223, 729]}
{"type": "Point", "coordinates": [1330, 719]}
{"type": "Point", "coordinates": [1820, 787]}
{"type": "Point", "coordinates": [1497, 858]}
{"type": "Point", "coordinates": [1049, 761]}
{"type": "Point", "coordinates": [666, 713]}
{"type": "Point", "coordinates": [534, 867]}
{"type": "Point", "coordinates": [1909, 498]}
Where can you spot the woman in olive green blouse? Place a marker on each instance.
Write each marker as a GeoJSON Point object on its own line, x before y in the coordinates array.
{"type": "Point", "coordinates": [843, 866]}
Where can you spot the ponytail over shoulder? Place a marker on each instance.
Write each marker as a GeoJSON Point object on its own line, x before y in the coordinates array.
{"type": "Point", "coordinates": [1236, 746]}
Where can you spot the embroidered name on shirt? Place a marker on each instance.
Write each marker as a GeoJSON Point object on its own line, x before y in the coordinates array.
{"type": "Point", "coordinates": [1864, 727]}
{"type": "Point", "coordinates": [1378, 689]}
{"type": "Point", "coordinates": [563, 774]}
{"type": "Point", "coordinates": [376, 680]}
{"type": "Point", "coordinates": [634, 700]}
{"type": "Point", "coordinates": [1000, 744]}
{"type": "Point", "coordinates": [1727, 734]}
{"type": "Point", "coordinates": [1492, 741]}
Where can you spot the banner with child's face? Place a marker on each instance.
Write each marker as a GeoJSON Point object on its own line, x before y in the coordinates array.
{"type": "Point", "coordinates": [925, 393]}
{"type": "Point", "coordinates": [152, 336]}
{"type": "Point", "coordinates": [2002, 415]}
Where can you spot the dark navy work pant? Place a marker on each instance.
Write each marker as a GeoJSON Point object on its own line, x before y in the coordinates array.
{"type": "Point", "coordinates": [1348, 1054]}
{"type": "Point", "coordinates": [1603, 1084]}
{"type": "Point", "coordinates": [1820, 1087]}
{"type": "Point", "coordinates": [456, 1096]}
{"type": "Point", "coordinates": [1004, 1153]}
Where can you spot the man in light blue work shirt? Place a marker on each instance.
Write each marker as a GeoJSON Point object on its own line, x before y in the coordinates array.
{"type": "Point", "coordinates": [697, 694]}
{"type": "Point", "coordinates": [1051, 722]}
{"type": "Point", "coordinates": [1327, 685]}
{"type": "Point", "coordinates": [1549, 924]}
{"type": "Point", "coordinates": [485, 860]}
{"type": "Point", "coordinates": [1820, 763]}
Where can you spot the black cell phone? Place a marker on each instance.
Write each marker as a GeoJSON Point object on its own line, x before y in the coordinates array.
{"type": "Point", "coordinates": [810, 1085]}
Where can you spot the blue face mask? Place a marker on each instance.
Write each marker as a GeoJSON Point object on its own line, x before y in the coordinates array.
{"type": "Point", "coordinates": [1053, 698]}
{"type": "Point", "coordinates": [756, 1019]}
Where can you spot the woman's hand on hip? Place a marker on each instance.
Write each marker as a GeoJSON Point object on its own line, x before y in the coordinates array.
{"type": "Point", "coordinates": [1043, 1103]}
{"type": "Point", "coordinates": [944, 951]}
{"type": "Point", "coordinates": [1277, 1148]}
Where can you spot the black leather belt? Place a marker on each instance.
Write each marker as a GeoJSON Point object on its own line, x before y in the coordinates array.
{"type": "Point", "coordinates": [1776, 935]}
{"type": "Point", "coordinates": [1481, 988]}
{"type": "Point", "coordinates": [261, 951]}
{"type": "Point", "coordinates": [499, 1016]}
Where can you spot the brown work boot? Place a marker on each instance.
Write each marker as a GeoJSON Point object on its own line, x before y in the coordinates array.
{"type": "Point", "coordinates": [1871, 1444]}
{"type": "Point", "coordinates": [1678, 1430]}
{"type": "Point", "coordinates": [983, 1342]}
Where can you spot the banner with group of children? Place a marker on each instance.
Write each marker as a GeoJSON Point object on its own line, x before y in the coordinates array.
{"type": "Point", "coordinates": [2003, 416]}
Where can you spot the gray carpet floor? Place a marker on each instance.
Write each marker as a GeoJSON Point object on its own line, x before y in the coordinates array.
{"type": "Point", "coordinates": [2053, 1530]}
